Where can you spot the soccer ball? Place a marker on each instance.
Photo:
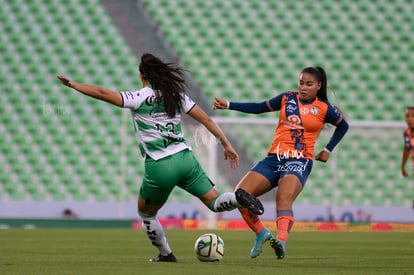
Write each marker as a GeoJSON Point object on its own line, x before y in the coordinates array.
{"type": "Point", "coordinates": [209, 248]}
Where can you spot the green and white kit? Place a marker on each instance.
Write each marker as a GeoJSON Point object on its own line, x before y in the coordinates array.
{"type": "Point", "coordinates": [157, 134]}
{"type": "Point", "coordinates": [169, 160]}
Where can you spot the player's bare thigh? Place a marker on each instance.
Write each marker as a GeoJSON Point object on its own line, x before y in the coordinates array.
{"type": "Point", "coordinates": [254, 183]}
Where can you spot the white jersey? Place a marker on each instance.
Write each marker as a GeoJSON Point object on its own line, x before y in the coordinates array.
{"type": "Point", "coordinates": [157, 134]}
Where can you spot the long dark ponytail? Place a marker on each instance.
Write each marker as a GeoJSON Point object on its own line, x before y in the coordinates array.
{"type": "Point", "coordinates": [166, 79]}
{"type": "Point", "coordinates": [320, 74]}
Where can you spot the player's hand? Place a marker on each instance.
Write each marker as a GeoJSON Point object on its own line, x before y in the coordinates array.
{"type": "Point", "coordinates": [65, 81]}
{"type": "Point", "coordinates": [404, 172]}
{"type": "Point", "coordinates": [219, 103]}
{"type": "Point", "coordinates": [322, 156]}
{"type": "Point", "coordinates": [231, 155]}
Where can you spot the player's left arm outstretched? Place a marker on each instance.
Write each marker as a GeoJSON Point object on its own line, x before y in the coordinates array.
{"type": "Point", "coordinates": [94, 91]}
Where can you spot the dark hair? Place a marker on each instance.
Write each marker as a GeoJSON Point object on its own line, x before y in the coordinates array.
{"type": "Point", "coordinates": [320, 74]}
{"type": "Point", "coordinates": [166, 79]}
{"type": "Point", "coordinates": [410, 107]}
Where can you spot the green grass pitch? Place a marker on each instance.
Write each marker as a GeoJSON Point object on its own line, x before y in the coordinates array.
{"type": "Point", "coordinates": [126, 251]}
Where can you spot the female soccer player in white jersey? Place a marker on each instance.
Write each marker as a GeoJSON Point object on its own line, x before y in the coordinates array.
{"type": "Point", "coordinates": [156, 111]}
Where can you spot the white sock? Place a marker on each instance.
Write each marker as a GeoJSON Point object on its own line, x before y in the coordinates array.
{"type": "Point", "coordinates": [156, 234]}
{"type": "Point", "coordinates": [225, 202]}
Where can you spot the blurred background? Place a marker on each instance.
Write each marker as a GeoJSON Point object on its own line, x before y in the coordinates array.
{"type": "Point", "coordinates": [62, 151]}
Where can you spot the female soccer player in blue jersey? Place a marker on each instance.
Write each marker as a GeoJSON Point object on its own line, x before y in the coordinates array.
{"type": "Point", "coordinates": [289, 160]}
{"type": "Point", "coordinates": [156, 111]}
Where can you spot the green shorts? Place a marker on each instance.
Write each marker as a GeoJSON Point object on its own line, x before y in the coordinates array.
{"type": "Point", "coordinates": [181, 169]}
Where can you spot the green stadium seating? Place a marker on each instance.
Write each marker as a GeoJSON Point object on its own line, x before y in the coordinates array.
{"type": "Point", "coordinates": [249, 51]}
{"type": "Point", "coordinates": [253, 28]}
{"type": "Point", "coordinates": [67, 147]}
{"type": "Point", "coordinates": [61, 141]}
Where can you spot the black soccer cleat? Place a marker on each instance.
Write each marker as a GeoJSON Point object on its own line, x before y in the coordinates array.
{"type": "Point", "coordinates": [161, 258]}
{"type": "Point", "coordinates": [249, 201]}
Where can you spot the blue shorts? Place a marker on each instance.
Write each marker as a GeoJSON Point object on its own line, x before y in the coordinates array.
{"type": "Point", "coordinates": [274, 167]}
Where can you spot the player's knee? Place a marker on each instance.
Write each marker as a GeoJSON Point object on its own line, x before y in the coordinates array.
{"type": "Point", "coordinates": [146, 215]}
{"type": "Point", "coordinates": [146, 209]}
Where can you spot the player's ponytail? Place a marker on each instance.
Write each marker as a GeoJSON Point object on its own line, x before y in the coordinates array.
{"type": "Point", "coordinates": [322, 92]}
{"type": "Point", "coordinates": [167, 81]}
{"type": "Point", "coordinates": [320, 74]}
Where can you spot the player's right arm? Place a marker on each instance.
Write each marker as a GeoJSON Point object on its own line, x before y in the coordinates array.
{"type": "Point", "coordinates": [93, 91]}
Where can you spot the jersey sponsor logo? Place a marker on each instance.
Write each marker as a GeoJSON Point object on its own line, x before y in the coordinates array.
{"type": "Point", "coordinates": [157, 110]}
{"type": "Point", "coordinates": [150, 100]}
{"type": "Point", "coordinates": [294, 119]}
{"type": "Point", "coordinates": [304, 110]}
{"type": "Point", "coordinates": [293, 122]}
{"type": "Point", "coordinates": [291, 108]}
{"type": "Point", "coordinates": [157, 114]}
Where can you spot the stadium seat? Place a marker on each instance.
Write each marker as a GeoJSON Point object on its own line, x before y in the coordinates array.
{"type": "Point", "coordinates": [53, 144]}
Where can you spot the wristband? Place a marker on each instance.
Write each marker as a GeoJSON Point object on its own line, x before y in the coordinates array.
{"type": "Point", "coordinates": [326, 150]}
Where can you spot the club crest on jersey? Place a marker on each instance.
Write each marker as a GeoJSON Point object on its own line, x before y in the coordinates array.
{"type": "Point", "coordinates": [314, 111]}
